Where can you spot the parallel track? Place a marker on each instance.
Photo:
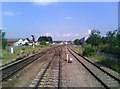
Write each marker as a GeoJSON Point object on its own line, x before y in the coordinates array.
{"type": "Point", "coordinates": [105, 78]}
{"type": "Point", "coordinates": [50, 76]}
{"type": "Point", "coordinates": [13, 67]}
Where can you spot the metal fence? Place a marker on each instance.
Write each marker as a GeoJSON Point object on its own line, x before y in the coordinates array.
{"type": "Point", "coordinates": [8, 48]}
{"type": "Point", "coordinates": [107, 55]}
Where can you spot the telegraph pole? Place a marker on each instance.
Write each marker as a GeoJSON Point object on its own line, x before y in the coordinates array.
{"type": "Point", "coordinates": [33, 39]}
{"type": "Point", "coordinates": [1, 43]}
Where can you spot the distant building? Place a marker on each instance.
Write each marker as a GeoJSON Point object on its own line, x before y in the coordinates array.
{"type": "Point", "coordinates": [11, 41]}
{"type": "Point", "coordinates": [82, 40]}
{"type": "Point", "coordinates": [61, 43]}
{"type": "Point", "coordinates": [36, 43]}
{"type": "Point", "coordinates": [53, 43]}
{"type": "Point", "coordinates": [47, 42]}
{"type": "Point", "coordinates": [17, 41]}
{"type": "Point", "coordinates": [31, 43]}
{"type": "Point", "coordinates": [66, 42]}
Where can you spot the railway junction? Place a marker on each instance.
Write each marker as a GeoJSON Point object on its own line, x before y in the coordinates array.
{"type": "Point", "coordinates": [58, 66]}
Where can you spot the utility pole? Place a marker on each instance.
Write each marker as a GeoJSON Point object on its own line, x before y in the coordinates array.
{"type": "Point", "coordinates": [33, 39]}
{"type": "Point", "coordinates": [1, 43]}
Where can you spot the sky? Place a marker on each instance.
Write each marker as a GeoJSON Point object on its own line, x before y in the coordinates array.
{"type": "Point", "coordinates": [61, 20]}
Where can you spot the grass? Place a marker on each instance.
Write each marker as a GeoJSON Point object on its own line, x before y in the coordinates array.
{"type": "Point", "coordinates": [78, 50]}
{"type": "Point", "coordinates": [7, 56]}
{"type": "Point", "coordinates": [114, 65]}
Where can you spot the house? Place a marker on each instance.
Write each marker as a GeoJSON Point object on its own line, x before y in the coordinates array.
{"type": "Point", "coordinates": [21, 42]}
{"type": "Point", "coordinates": [17, 41]}
{"type": "Point", "coordinates": [47, 42]}
{"type": "Point", "coordinates": [11, 41]}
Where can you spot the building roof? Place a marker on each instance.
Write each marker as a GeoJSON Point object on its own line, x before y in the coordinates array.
{"type": "Point", "coordinates": [14, 39]}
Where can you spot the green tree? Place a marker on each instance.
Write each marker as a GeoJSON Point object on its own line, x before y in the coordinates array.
{"type": "Point", "coordinates": [88, 50]}
{"type": "Point", "coordinates": [111, 42]}
{"type": "Point", "coordinates": [118, 37]}
{"type": "Point", "coordinates": [4, 41]}
{"type": "Point", "coordinates": [94, 38]}
{"type": "Point", "coordinates": [43, 42]}
{"type": "Point", "coordinates": [45, 38]}
{"type": "Point", "coordinates": [77, 42]}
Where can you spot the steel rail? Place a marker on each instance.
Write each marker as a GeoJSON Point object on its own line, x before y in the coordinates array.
{"type": "Point", "coordinates": [16, 65]}
{"type": "Point", "coordinates": [117, 79]}
{"type": "Point", "coordinates": [43, 73]}
{"type": "Point", "coordinates": [90, 70]}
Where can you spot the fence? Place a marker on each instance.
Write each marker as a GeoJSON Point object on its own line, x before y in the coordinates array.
{"type": "Point", "coordinates": [107, 55]}
{"type": "Point", "coordinates": [8, 48]}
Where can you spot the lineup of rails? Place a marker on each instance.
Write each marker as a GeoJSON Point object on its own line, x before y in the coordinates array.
{"type": "Point", "coordinates": [17, 65]}
{"type": "Point", "coordinates": [106, 79]}
{"type": "Point", "coordinates": [51, 73]}
{"type": "Point", "coordinates": [50, 76]}
{"type": "Point", "coordinates": [12, 68]}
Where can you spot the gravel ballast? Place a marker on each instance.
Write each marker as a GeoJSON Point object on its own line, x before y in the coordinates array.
{"type": "Point", "coordinates": [75, 75]}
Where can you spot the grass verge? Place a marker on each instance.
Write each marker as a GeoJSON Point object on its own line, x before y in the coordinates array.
{"type": "Point", "coordinates": [7, 56]}
{"type": "Point", "coordinates": [114, 65]}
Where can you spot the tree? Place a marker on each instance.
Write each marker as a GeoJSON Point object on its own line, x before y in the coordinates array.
{"type": "Point", "coordinates": [104, 40]}
{"type": "Point", "coordinates": [43, 42]}
{"type": "Point", "coordinates": [94, 38]}
{"type": "Point", "coordinates": [28, 39]}
{"type": "Point", "coordinates": [118, 37]}
{"type": "Point", "coordinates": [50, 39]}
{"type": "Point", "coordinates": [4, 41]}
{"type": "Point", "coordinates": [77, 42]}
{"type": "Point", "coordinates": [45, 38]}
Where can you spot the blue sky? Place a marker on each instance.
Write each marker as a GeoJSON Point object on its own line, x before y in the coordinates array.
{"type": "Point", "coordinates": [61, 20]}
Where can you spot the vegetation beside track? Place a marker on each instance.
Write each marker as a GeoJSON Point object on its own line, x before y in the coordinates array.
{"type": "Point", "coordinates": [7, 56]}
{"type": "Point", "coordinates": [115, 65]}
{"type": "Point", "coordinates": [109, 44]}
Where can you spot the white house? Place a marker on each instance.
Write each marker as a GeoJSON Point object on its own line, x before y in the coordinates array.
{"type": "Point", "coordinates": [21, 42]}
{"type": "Point", "coordinates": [17, 41]}
{"type": "Point", "coordinates": [26, 41]}
{"type": "Point", "coordinates": [47, 42]}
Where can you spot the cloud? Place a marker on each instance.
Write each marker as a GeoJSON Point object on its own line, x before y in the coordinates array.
{"type": "Point", "coordinates": [75, 35]}
{"type": "Point", "coordinates": [47, 34]}
{"type": "Point", "coordinates": [66, 35]}
{"type": "Point", "coordinates": [43, 2]}
{"type": "Point", "coordinates": [62, 34]}
{"type": "Point", "coordinates": [69, 17]}
{"type": "Point", "coordinates": [8, 13]}
{"type": "Point", "coordinates": [70, 35]}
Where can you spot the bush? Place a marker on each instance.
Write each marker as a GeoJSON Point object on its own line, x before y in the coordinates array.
{"type": "Point", "coordinates": [111, 49]}
{"type": "Point", "coordinates": [43, 43]}
{"type": "Point", "coordinates": [23, 48]}
{"type": "Point", "coordinates": [89, 51]}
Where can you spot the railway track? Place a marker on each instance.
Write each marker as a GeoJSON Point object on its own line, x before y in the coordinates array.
{"type": "Point", "coordinates": [49, 75]}
{"type": "Point", "coordinates": [11, 68]}
{"type": "Point", "coordinates": [106, 79]}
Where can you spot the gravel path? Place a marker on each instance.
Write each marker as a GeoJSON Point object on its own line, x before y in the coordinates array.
{"type": "Point", "coordinates": [75, 75]}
